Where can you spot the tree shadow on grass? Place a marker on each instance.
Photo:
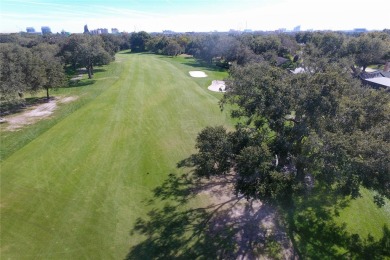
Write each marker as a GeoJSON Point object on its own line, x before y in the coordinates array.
{"type": "Point", "coordinates": [80, 83]}
{"type": "Point", "coordinates": [126, 52]}
{"type": "Point", "coordinates": [195, 63]}
{"type": "Point", "coordinates": [226, 227]}
{"type": "Point", "coordinates": [317, 235]}
{"type": "Point", "coordinates": [96, 70]}
{"type": "Point", "coordinates": [201, 65]}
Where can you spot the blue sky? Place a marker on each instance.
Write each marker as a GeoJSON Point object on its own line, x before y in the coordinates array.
{"type": "Point", "coordinates": [193, 15]}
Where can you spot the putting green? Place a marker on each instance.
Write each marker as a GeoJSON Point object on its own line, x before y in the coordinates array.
{"type": "Point", "coordinates": [76, 189]}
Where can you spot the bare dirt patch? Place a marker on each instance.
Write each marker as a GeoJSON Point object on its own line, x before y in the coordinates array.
{"type": "Point", "coordinates": [33, 114]}
{"type": "Point", "coordinates": [224, 225]}
{"type": "Point", "coordinates": [255, 224]}
{"type": "Point", "coordinates": [79, 76]}
{"type": "Point", "coordinates": [67, 99]}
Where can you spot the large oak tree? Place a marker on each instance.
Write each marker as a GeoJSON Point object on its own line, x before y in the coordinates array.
{"type": "Point", "coordinates": [319, 131]}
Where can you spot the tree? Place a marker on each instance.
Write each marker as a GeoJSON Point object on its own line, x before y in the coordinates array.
{"type": "Point", "coordinates": [329, 44]}
{"type": "Point", "coordinates": [138, 41]}
{"type": "Point", "coordinates": [70, 49]}
{"type": "Point", "coordinates": [93, 54]}
{"type": "Point", "coordinates": [152, 44]}
{"type": "Point", "coordinates": [240, 53]}
{"type": "Point", "coordinates": [20, 71]}
{"type": "Point", "coordinates": [368, 49]}
{"type": "Point", "coordinates": [53, 69]}
{"type": "Point", "coordinates": [311, 133]}
{"type": "Point", "coordinates": [85, 51]}
{"type": "Point", "coordinates": [111, 43]}
{"type": "Point", "coordinates": [305, 112]}
{"type": "Point", "coordinates": [172, 48]}
{"type": "Point", "coordinates": [261, 44]}
{"type": "Point", "coordinates": [205, 47]}
{"type": "Point", "coordinates": [29, 69]}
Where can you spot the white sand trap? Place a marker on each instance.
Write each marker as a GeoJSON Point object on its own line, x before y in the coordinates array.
{"type": "Point", "coordinates": [198, 74]}
{"type": "Point", "coordinates": [217, 86]}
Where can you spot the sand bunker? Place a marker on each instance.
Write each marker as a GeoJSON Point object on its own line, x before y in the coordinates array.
{"type": "Point", "coordinates": [198, 74]}
{"type": "Point", "coordinates": [217, 86]}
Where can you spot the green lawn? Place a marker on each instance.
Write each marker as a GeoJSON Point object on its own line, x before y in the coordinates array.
{"type": "Point", "coordinates": [72, 186]}
{"type": "Point", "coordinates": [363, 216]}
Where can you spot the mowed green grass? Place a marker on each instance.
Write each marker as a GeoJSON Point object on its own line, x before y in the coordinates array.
{"type": "Point", "coordinates": [73, 185]}
{"type": "Point", "coordinates": [363, 216]}
{"type": "Point", "coordinates": [74, 189]}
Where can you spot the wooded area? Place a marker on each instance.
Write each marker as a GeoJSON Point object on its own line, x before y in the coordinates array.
{"type": "Point", "coordinates": [320, 133]}
{"type": "Point", "coordinates": [33, 62]}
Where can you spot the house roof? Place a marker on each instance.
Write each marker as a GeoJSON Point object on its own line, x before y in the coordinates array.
{"type": "Point", "coordinates": [384, 81]}
{"type": "Point", "coordinates": [281, 60]}
{"type": "Point", "coordinates": [385, 74]}
{"type": "Point", "coordinates": [370, 75]}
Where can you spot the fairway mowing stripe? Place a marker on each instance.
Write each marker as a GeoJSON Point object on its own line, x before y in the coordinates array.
{"type": "Point", "coordinates": [86, 178]}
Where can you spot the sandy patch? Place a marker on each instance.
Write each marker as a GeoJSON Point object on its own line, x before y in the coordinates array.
{"type": "Point", "coordinates": [254, 220]}
{"type": "Point", "coordinates": [198, 74]}
{"type": "Point", "coordinates": [217, 86]}
{"type": "Point", "coordinates": [67, 99]}
{"type": "Point", "coordinates": [33, 114]}
{"type": "Point", "coordinates": [79, 76]}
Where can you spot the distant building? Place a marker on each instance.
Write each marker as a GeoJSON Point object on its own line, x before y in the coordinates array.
{"type": "Point", "coordinates": [30, 30]}
{"type": "Point", "coordinates": [46, 30]}
{"type": "Point", "coordinates": [297, 28]}
{"type": "Point", "coordinates": [168, 32]}
{"type": "Point", "coordinates": [86, 31]}
{"type": "Point", "coordinates": [114, 31]}
{"type": "Point", "coordinates": [99, 31]}
{"type": "Point", "coordinates": [359, 30]}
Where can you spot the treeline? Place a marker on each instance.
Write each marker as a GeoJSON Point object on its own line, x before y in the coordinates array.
{"type": "Point", "coordinates": [287, 50]}
{"type": "Point", "coordinates": [33, 62]}
{"type": "Point", "coordinates": [306, 143]}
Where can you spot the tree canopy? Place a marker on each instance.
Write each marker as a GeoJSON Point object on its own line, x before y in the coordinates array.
{"type": "Point", "coordinates": [323, 127]}
{"type": "Point", "coordinates": [301, 135]}
{"type": "Point", "coordinates": [29, 69]}
{"type": "Point", "coordinates": [138, 41]}
{"type": "Point", "coordinates": [33, 62]}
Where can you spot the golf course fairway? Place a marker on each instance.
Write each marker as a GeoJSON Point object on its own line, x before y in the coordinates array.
{"type": "Point", "coordinates": [75, 190]}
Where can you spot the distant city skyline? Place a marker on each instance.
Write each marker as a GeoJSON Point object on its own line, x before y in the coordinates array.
{"type": "Point", "coordinates": [191, 15]}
